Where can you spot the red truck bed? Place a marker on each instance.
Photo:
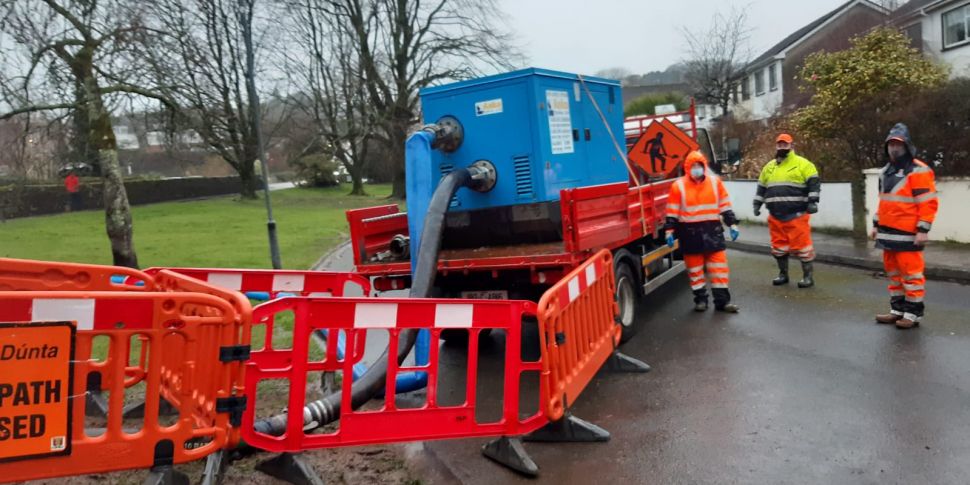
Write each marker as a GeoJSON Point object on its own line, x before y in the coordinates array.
{"type": "Point", "coordinates": [602, 216]}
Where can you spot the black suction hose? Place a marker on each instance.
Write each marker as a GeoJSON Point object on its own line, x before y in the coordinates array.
{"type": "Point", "coordinates": [327, 410]}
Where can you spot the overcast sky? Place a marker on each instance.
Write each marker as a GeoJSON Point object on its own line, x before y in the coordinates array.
{"type": "Point", "coordinates": [585, 36]}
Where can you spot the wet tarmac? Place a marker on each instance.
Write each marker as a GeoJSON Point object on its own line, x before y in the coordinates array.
{"type": "Point", "coordinates": [800, 387]}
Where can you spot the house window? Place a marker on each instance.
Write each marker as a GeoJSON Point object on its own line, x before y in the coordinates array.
{"type": "Point", "coordinates": [773, 77]}
{"type": "Point", "coordinates": [759, 82]}
{"type": "Point", "coordinates": [746, 88]}
{"type": "Point", "coordinates": [956, 25]}
{"type": "Point", "coordinates": [735, 93]}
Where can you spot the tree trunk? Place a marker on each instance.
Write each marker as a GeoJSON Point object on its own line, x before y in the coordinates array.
{"type": "Point", "coordinates": [358, 181]}
{"type": "Point", "coordinates": [396, 153]}
{"type": "Point", "coordinates": [117, 211]}
{"type": "Point", "coordinates": [248, 179]}
{"type": "Point", "coordinates": [859, 208]}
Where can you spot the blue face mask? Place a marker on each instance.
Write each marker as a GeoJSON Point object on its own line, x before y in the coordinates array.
{"type": "Point", "coordinates": [697, 171]}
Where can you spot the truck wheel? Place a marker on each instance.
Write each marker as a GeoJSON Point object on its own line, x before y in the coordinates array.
{"type": "Point", "coordinates": [627, 298]}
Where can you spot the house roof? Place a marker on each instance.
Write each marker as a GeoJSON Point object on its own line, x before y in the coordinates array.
{"type": "Point", "coordinates": [911, 10]}
{"type": "Point", "coordinates": [801, 33]}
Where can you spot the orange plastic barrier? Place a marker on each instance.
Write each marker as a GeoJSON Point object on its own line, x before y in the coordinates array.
{"type": "Point", "coordinates": [578, 330]}
{"type": "Point", "coordinates": [355, 318]}
{"type": "Point", "coordinates": [168, 363]}
{"type": "Point", "coordinates": [274, 282]}
{"type": "Point", "coordinates": [24, 274]}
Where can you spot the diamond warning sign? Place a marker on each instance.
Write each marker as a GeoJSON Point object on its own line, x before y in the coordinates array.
{"type": "Point", "coordinates": [35, 385]}
{"type": "Point", "coordinates": [661, 148]}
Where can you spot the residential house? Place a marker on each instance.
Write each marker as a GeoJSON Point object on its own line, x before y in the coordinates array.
{"type": "Point", "coordinates": [768, 86]}
{"type": "Point", "coordinates": [940, 29]}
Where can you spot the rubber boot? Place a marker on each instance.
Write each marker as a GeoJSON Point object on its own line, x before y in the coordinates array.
{"type": "Point", "coordinates": [782, 278]}
{"type": "Point", "coordinates": [807, 280]}
{"type": "Point", "coordinates": [700, 306]}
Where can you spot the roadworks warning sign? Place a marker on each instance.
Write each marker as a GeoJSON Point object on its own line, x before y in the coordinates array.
{"type": "Point", "coordinates": [36, 374]}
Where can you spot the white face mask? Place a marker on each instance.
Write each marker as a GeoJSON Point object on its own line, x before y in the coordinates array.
{"type": "Point", "coordinates": [897, 152]}
{"type": "Point", "coordinates": [697, 171]}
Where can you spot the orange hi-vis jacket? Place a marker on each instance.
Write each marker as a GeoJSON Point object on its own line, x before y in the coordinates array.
{"type": "Point", "coordinates": [695, 208]}
{"type": "Point", "coordinates": [907, 205]}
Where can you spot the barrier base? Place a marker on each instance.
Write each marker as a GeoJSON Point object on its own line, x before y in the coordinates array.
{"type": "Point", "coordinates": [569, 429]}
{"type": "Point", "coordinates": [215, 468]}
{"type": "Point", "coordinates": [166, 475]}
{"type": "Point", "coordinates": [290, 468]}
{"type": "Point", "coordinates": [96, 406]}
{"type": "Point", "coordinates": [511, 453]}
{"type": "Point", "coordinates": [619, 362]}
{"type": "Point", "coordinates": [137, 410]}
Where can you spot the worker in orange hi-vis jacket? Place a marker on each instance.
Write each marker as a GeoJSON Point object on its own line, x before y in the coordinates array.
{"type": "Point", "coordinates": [907, 208]}
{"type": "Point", "coordinates": [696, 205]}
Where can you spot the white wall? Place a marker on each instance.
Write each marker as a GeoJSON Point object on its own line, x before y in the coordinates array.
{"type": "Point", "coordinates": [834, 210]}
{"type": "Point", "coordinates": [764, 106]}
{"type": "Point", "coordinates": [951, 220]}
{"type": "Point", "coordinates": [957, 58]}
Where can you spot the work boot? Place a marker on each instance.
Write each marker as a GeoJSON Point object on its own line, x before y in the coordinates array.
{"type": "Point", "coordinates": [905, 323]}
{"type": "Point", "coordinates": [888, 318]}
{"type": "Point", "coordinates": [807, 280]}
{"type": "Point", "coordinates": [782, 278]}
{"type": "Point", "coordinates": [700, 306]}
{"type": "Point", "coordinates": [729, 308]}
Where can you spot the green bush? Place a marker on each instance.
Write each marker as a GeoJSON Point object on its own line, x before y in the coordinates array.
{"type": "Point", "coordinates": [315, 171]}
{"type": "Point", "coordinates": [644, 105]}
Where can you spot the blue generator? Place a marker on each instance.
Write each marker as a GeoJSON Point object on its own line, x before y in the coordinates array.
{"type": "Point", "coordinates": [540, 131]}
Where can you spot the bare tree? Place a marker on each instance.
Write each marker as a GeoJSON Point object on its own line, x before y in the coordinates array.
{"type": "Point", "coordinates": [716, 57]}
{"type": "Point", "coordinates": [404, 45]}
{"type": "Point", "coordinates": [331, 90]}
{"type": "Point", "coordinates": [196, 55]}
{"type": "Point", "coordinates": [618, 73]}
{"type": "Point", "coordinates": [66, 58]}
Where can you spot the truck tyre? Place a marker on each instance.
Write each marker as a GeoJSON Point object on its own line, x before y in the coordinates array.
{"type": "Point", "coordinates": [627, 299]}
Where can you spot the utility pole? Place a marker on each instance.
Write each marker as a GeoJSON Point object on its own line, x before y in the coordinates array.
{"type": "Point", "coordinates": [246, 21]}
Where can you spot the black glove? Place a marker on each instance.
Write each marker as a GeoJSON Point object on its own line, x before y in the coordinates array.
{"type": "Point", "coordinates": [757, 210]}
{"type": "Point", "coordinates": [812, 207]}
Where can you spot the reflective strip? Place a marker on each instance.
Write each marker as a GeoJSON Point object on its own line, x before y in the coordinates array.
{"type": "Point", "coordinates": [897, 198]}
{"type": "Point", "coordinates": [786, 199]}
{"type": "Point", "coordinates": [814, 194]}
{"type": "Point", "coordinates": [719, 285]}
{"type": "Point", "coordinates": [80, 310]}
{"type": "Point", "coordinates": [453, 315]}
{"type": "Point", "coordinates": [914, 276]}
{"type": "Point", "coordinates": [697, 286]}
{"type": "Point", "coordinates": [922, 169]}
{"type": "Point", "coordinates": [701, 218]}
{"type": "Point", "coordinates": [911, 316]}
{"type": "Point", "coordinates": [716, 265]}
{"type": "Point", "coordinates": [671, 207]}
{"type": "Point", "coordinates": [288, 282]}
{"type": "Point", "coordinates": [910, 287]}
{"type": "Point", "coordinates": [895, 237]}
{"type": "Point", "coordinates": [896, 312]}
{"type": "Point", "coordinates": [925, 197]}
{"type": "Point", "coordinates": [897, 293]}
{"type": "Point", "coordinates": [759, 198]}
{"type": "Point", "coordinates": [701, 207]}
{"type": "Point", "coordinates": [694, 269]}
{"type": "Point", "coordinates": [924, 225]}
{"type": "Point", "coordinates": [375, 315]}
{"type": "Point", "coordinates": [786, 184]}
{"type": "Point", "coordinates": [914, 299]}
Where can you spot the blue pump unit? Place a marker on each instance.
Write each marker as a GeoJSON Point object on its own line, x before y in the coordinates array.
{"type": "Point", "coordinates": [540, 131]}
{"type": "Point", "coordinates": [537, 127]}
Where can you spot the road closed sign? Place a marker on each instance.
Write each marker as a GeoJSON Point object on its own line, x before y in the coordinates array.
{"type": "Point", "coordinates": [36, 369]}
